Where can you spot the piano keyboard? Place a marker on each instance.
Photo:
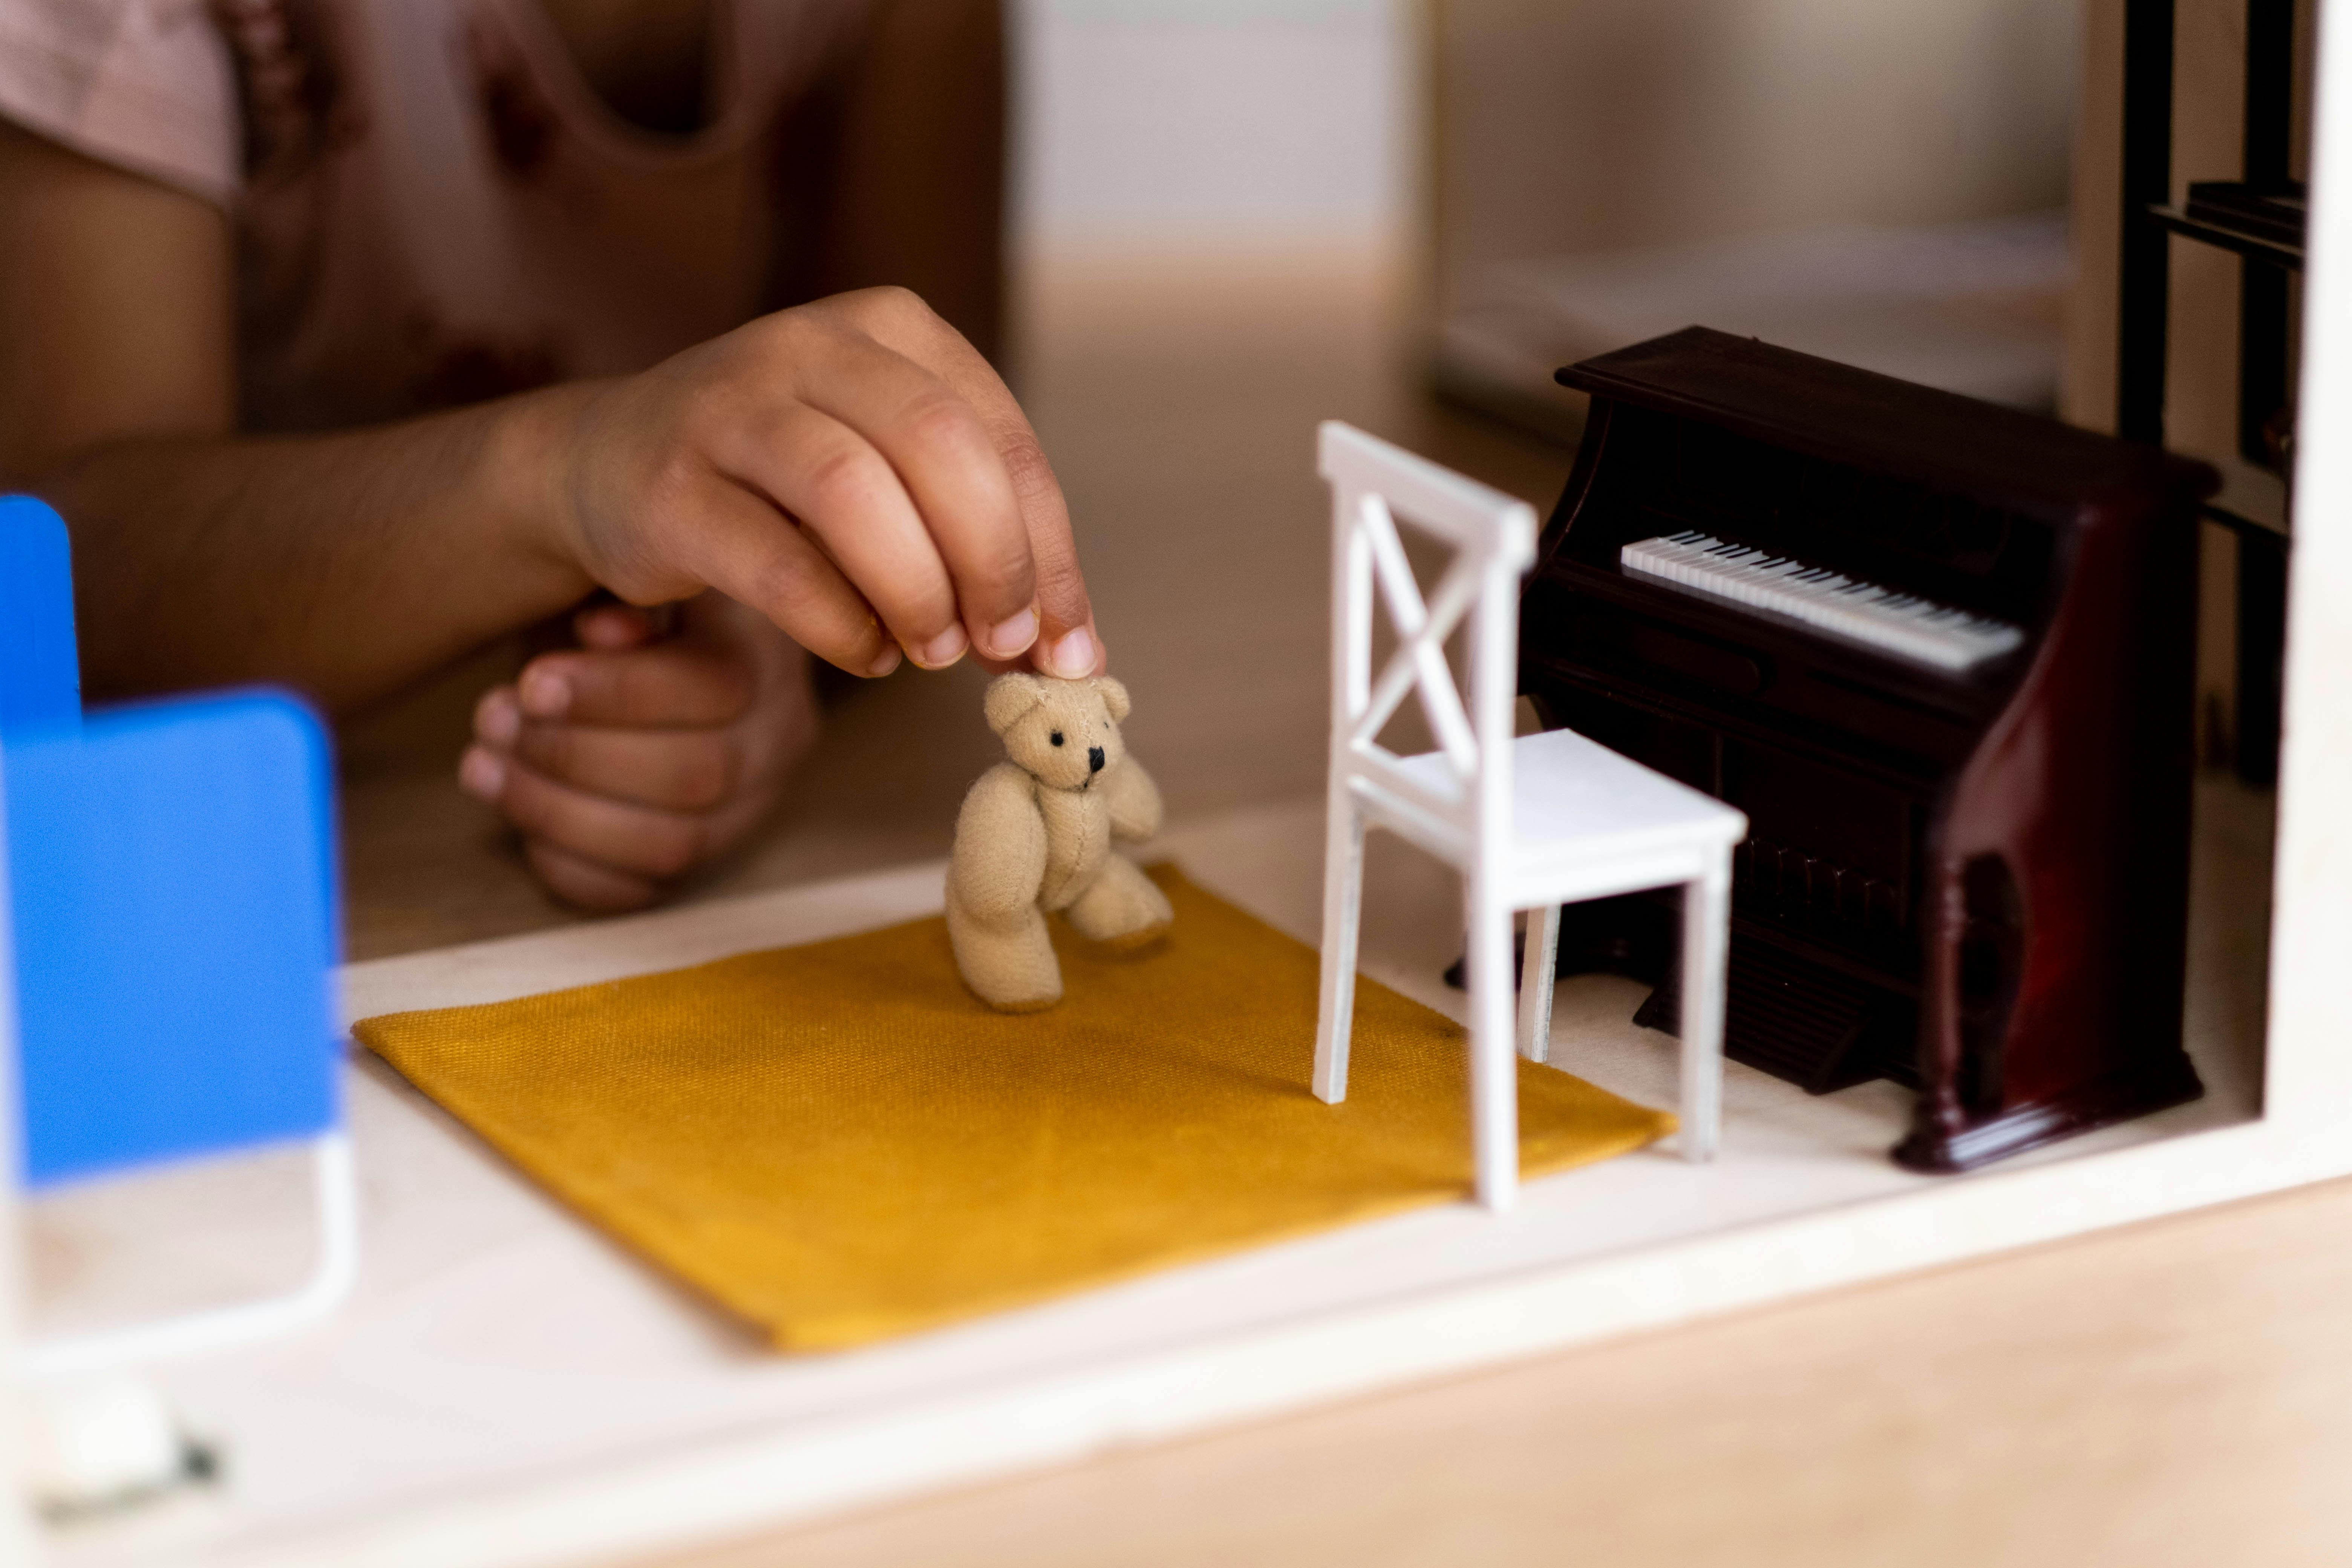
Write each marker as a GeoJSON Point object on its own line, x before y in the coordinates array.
{"type": "Point", "coordinates": [1900, 624]}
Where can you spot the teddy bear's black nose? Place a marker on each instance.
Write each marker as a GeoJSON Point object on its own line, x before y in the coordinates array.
{"type": "Point", "coordinates": [1094, 759]}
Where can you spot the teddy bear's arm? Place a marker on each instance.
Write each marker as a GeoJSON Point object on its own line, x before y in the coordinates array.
{"type": "Point", "coordinates": [1000, 846]}
{"type": "Point", "coordinates": [1134, 802]}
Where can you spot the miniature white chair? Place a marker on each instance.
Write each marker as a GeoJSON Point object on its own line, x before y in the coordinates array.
{"type": "Point", "coordinates": [1531, 823]}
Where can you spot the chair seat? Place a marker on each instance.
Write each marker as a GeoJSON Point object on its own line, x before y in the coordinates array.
{"type": "Point", "coordinates": [1572, 797]}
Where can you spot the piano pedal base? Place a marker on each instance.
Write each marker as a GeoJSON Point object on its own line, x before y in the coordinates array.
{"type": "Point", "coordinates": [1798, 1022]}
{"type": "Point", "coordinates": [1802, 1021]}
{"type": "Point", "coordinates": [1876, 1042]}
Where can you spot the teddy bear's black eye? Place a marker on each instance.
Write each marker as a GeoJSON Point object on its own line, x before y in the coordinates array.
{"type": "Point", "coordinates": [1057, 737]}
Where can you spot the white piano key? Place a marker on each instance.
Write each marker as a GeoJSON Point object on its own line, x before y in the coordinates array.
{"type": "Point", "coordinates": [1886, 618]}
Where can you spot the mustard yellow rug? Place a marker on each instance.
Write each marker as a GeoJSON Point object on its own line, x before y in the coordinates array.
{"type": "Point", "coordinates": [837, 1143]}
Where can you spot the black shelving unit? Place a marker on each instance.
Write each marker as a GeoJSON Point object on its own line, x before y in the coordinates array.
{"type": "Point", "coordinates": [2260, 217]}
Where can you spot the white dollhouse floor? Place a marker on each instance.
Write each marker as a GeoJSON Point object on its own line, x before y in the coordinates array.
{"type": "Point", "coordinates": [506, 1386]}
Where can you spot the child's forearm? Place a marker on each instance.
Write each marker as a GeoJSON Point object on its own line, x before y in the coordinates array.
{"type": "Point", "coordinates": [345, 564]}
{"type": "Point", "coordinates": [851, 469]}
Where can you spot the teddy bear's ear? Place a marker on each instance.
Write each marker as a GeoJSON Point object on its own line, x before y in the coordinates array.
{"type": "Point", "coordinates": [1114, 695]}
{"type": "Point", "coordinates": [1009, 696]}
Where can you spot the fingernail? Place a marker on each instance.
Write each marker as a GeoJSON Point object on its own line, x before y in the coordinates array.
{"type": "Point", "coordinates": [499, 721]}
{"type": "Point", "coordinates": [1009, 638]}
{"type": "Point", "coordinates": [481, 775]}
{"type": "Point", "coordinates": [1072, 657]}
{"type": "Point", "coordinates": [886, 663]}
{"type": "Point", "coordinates": [942, 651]}
{"type": "Point", "coordinates": [545, 694]}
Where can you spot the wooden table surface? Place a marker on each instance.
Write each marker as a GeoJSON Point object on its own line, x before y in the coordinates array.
{"type": "Point", "coordinates": [2176, 1393]}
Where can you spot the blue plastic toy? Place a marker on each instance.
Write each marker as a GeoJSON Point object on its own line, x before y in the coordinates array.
{"type": "Point", "coordinates": [172, 884]}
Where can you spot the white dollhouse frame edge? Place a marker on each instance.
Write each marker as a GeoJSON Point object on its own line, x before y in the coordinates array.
{"type": "Point", "coordinates": [747, 1482]}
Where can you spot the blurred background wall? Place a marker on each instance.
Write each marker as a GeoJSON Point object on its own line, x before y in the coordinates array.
{"type": "Point", "coordinates": [1562, 125]}
{"type": "Point", "coordinates": [1597, 125]}
{"type": "Point", "coordinates": [1879, 181]}
{"type": "Point", "coordinates": [1212, 125]}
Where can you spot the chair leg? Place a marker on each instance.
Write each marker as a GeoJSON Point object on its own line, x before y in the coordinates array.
{"type": "Point", "coordinates": [1343, 895]}
{"type": "Point", "coordinates": [1707, 937]}
{"type": "Point", "coordinates": [1535, 982]}
{"type": "Point", "coordinates": [1494, 1073]}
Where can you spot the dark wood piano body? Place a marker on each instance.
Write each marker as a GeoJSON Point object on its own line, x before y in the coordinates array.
{"type": "Point", "coordinates": [1975, 882]}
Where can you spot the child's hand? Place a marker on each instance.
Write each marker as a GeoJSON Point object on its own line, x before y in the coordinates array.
{"type": "Point", "coordinates": [853, 469]}
{"type": "Point", "coordinates": [633, 761]}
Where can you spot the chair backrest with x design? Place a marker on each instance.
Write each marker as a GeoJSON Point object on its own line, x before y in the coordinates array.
{"type": "Point", "coordinates": [1455, 802]}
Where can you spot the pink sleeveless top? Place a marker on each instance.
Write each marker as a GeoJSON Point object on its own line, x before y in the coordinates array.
{"type": "Point", "coordinates": [432, 206]}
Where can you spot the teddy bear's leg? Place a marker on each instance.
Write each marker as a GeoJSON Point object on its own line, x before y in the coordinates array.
{"type": "Point", "coordinates": [1123, 908]}
{"type": "Point", "coordinates": [1009, 964]}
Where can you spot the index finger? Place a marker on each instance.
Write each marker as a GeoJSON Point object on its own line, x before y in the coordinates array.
{"type": "Point", "coordinates": [1066, 644]}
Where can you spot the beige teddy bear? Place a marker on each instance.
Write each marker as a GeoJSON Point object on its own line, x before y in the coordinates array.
{"type": "Point", "coordinates": [1035, 836]}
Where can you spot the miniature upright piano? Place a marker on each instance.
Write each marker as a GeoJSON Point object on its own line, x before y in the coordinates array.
{"type": "Point", "coordinates": [1941, 653]}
